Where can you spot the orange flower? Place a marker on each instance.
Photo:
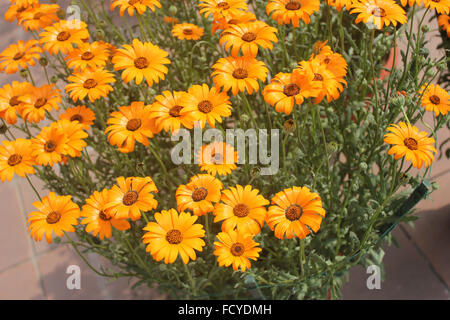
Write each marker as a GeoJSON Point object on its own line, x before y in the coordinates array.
{"type": "Point", "coordinates": [49, 146]}
{"type": "Point", "coordinates": [75, 135]}
{"type": "Point", "coordinates": [217, 158]}
{"type": "Point", "coordinates": [187, 31]}
{"type": "Point", "coordinates": [39, 17]}
{"type": "Point", "coordinates": [294, 211]}
{"type": "Point", "coordinates": [83, 115]}
{"type": "Point", "coordinates": [171, 20]}
{"type": "Point", "coordinates": [97, 218]}
{"type": "Point", "coordinates": [222, 23]}
{"type": "Point", "coordinates": [141, 61]}
{"type": "Point", "coordinates": [12, 98]}
{"type": "Point", "coordinates": [378, 12]}
{"type": "Point", "coordinates": [62, 35]}
{"type": "Point", "coordinates": [199, 195]}
{"type": "Point", "coordinates": [222, 8]}
{"type": "Point", "coordinates": [92, 83]}
{"type": "Point", "coordinates": [22, 54]}
{"type": "Point", "coordinates": [435, 99]}
{"type": "Point", "coordinates": [15, 157]}
{"type": "Point", "coordinates": [441, 6]}
{"type": "Point", "coordinates": [131, 196]}
{"type": "Point", "coordinates": [15, 11]}
{"type": "Point", "coordinates": [444, 23]}
{"type": "Point", "coordinates": [54, 214]}
{"type": "Point", "coordinates": [239, 74]}
{"type": "Point", "coordinates": [291, 11]}
{"type": "Point", "coordinates": [129, 124]}
{"type": "Point", "coordinates": [339, 4]}
{"type": "Point", "coordinates": [88, 55]}
{"type": "Point", "coordinates": [242, 208]}
{"type": "Point", "coordinates": [130, 5]}
{"type": "Point", "coordinates": [38, 102]}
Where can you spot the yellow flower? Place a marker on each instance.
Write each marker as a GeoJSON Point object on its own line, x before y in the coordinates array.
{"type": "Point", "coordinates": [88, 55]}
{"type": "Point", "coordinates": [222, 23]}
{"type": "Point", "coordinates": [130, 5]}
{"type": "Point", "coordinates": [239, 74]}
{"type": "Point", "coordinates": [83, 115]}
{"type": "Point", "coordinates": [222, 8]}
{"type": "Point", "coordinates": [75, 135]}
{"type": "Point", "coordinates": [62, 35]}
{"type": "Point", "coordinates": [291, 11]}
{"type": "Point", "coordinates": [22, 54]}
{"type": "Point", "coordinates": [38, 102]}
{"type": "Point", "coordinates": [242, 208]}
{"type": "Point", "coordinates": [54, 214]}
{"type": "Point", "coordinates": [49, 145]}
{"type": "Point", "coordinates": [39, 17]}
{"type": "Point", "coordinates": [12, 98]}
{"type": "Point", "coordinates": [141, 61]}
{"type": "Point", "coordinates": [435, 99]}
{"type": "Point", "coordinates": [378, 12]}
{"type": "Point", "coordinates": [339, 4]}
{"type": "Point", "coordinates": [94, 84]}
{"type": "Point", "coordinates": [441, 6]}
{"type": "Point", "coordinates": [15, 158]}
{"type": "Point", "coordinates": [295, 210]}
{"type": "Point", "coordinates": [187, 31]}
{"type": "Point", "coordinates": [174, 234]}
{"type": "Point", "coordinates": [236, 248]}
{"type": "Point", "coordinates": [408, 142]}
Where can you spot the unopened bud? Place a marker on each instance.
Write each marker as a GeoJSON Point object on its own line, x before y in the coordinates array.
{"type": "Point", "coordinates": [289, 125]}
{"type": "Point", "coordinates": [173, 10]}
{"type": "Point", "coordinates": [43, 61]}
{"type": "Point", "coordinates": [24, 73]}
{"type": "Point", "coordinates": [54, 79]}
{"type": "Point", "coordinates": [3, 128]}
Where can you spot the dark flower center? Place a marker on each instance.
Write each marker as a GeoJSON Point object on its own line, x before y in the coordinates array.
{"type": "Point", "coordinates": [293, 212]}
{"type": "Point", "coordinates": [50, 146]}
{"type": "Point", "coordinates": [141, 63]}
{"type": "Point", "coordinates": [249, 36]}
{"type": "Point", "coordinates": [293, 5]}
{"type": "Point", "coordinates": [14, 159]}
{"type": "Point", "coordinates": [134, 124]}
{"type": "Point", "coordinates": [38, 15]}
{"type": "Point", "coordinates": [63, 36]}
{"type": "Point", "coordinates": [89, 84]}
{"type": "Point", "coordinates": [378, 12]}
{"type": "Point", "coordinates": [175, 111]}
{"type": "Point", "coordinates": [130, 198]}
{"type": "Point", "coordinates": [435, 99]}
{"type": "Point", "coordinates": [291, 90]}
{"type": "Point", "coordinates": [318, 77]}
{"type": "Point", "coordinates": [237, 249]}
{"type": "Point", "coordinates": [188, 31]}
{"type": "Point", "coordinates": [223, 5]}
{"type": "Point", "coordinates": [77, 117]}
{"type": "Point", "coordinates": [133, 2]}
{"type": "Point", "coordinates": [87, 55]}
{"type": "Point", "coordinates": [240, 73]}
{"type": "Point", "coordinates": [40, 103]}
{"type": "Point", "coordinates": [14, 101]}
{"type": "Point", "coordinates": [18, 55]}
{"type": "Point", "coordinates": [174, 236]}
{"type": "Point", "coordinates": [199, 194]}
{"type": "Point", "coordinates": [205, 106]}
{"type": "Point", "coordinates": [102, 215]}
{"type": "Point", "coordinates": [217, 158]}
{"type": "Point", "coordinates": [411, 143]}
{"type": "Point", "coordinates": [241, 210]}
{"type": "Point", "coordinates": [53, 217]}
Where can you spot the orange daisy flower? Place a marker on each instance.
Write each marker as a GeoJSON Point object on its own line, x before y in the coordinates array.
{"type": "Point", "coordinates": [170, 112]}
{"type": "Point", "coordinates": [199, 195]}
{"type": "Point", "coordinates": [408, 142]}
{"type": "Point", "coordinates": [242, 208]}
{"type": "Point", "coordinates": [239, 74]}
{"type": "Point", "coordinates": [131, 196]}
{"type": "Point", "coordinates": [92, 83]}
{"type": "Point", "coordinates": [75, 135]}
{"type": "Point", "coordinates": [378, 12]}
{"type": "Point", "coordinates": [141, 61]}
{"type": "Point", "coordinates": [222, 8]}
{"type": "Point", "coordinates": [130, 5]}
{"type": "Point", "coordinates": [441, 6]}
{"type": "Point", "coordinates": [130, 124]}
{"type": "Point", "coordinates": [12, 98]}
{"type": "Point", "coordinates": [246, 37]}
{"type": "Point", "coordinates": [83, 115]}
{"type": "Point", "coordinates": [333, 61]}
{"type": "Point", "coordinates": [444, 23]}
{"type": "Point", "coordinates": [88, 55]}
{"type": "Point", "coordinates": [291, 11]}
{"type": "Point", "coordinates": [39, 101]}
{"type": "Point", "coordinates": [174, 234]}
{"type": "Point", "coordinates": [187, 31]}
{"type": "Point", "coordinates": [54, 214]}
{"type": "Point", "coordinates": [62, 35]}
{"type": "Point", "coordinates": [340, 4]}
{"type": "Point", "coordinates": [49, 145]}
{"type": "Point", "coordinates": [15, 11]}
{"type": "Point", "coordinates": [236, 248]}
{"type": "Point", "coordinates": [171, 20]}
{"type": "Point", "coordinates": [435, 99]}
{"type": "Point", "coordinates": [97, 218]}
{"type": "Point", "coordinates": [22, 54]}
{"type": "Point", "coordinates": [15, 158]}
{"type": "Point", "coordinates": [217, 158]}
{"type": "Point", "coordinates": [209, 105]}
{"type": "Point", "coordinates": [223, 23]}
{"type": "Point", "coordinates": [39, 17]}
{"type": "Point", "coordinates": [294, 211]}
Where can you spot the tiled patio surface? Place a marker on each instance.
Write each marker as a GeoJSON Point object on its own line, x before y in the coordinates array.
{"type": "Point", "coordinates": [419, 269]}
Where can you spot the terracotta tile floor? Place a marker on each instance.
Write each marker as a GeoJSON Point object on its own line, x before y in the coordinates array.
{"type": "Point", "coordinates": [419, 269]}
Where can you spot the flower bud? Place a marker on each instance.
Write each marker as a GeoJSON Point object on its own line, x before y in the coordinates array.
{"type": "Point", "coordinates": [140, 168]}
{"type": "Point", "coordinates": [425, 28]}
{"type": "Point", "coordinates": [3, 128]}
{"type": "Point", "coordinates": [398, 101]}
{"type": "Point", "coordinates": [245, 118]}
{"type": "Point", "coordinates": [255, 172]}
{"type": "Point", "coordinates": [100, 34]}
{"type": "Point", "coordinates": [61, 14]}
{"type": "Point", "coordinates": [332, 146]}
{"type": "Point", "coordinates": [363, 166]}
{"type": "Point", "coordinates": [54, 79]}
{"type": "Point", "coordinates": [289, 125]}
{"type": "Point", "coordinates": [173, 10]}
{"type": "Point", "coordinates": [441, 66]}
{"type": "Point", "coordinates": [24, 73]}
{"type": "Point", "coordinates": [43, 61]}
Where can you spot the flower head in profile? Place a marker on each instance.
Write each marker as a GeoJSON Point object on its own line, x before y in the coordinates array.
{"type": "Point", "coordinates": [63, 35]}
{"type": "Point", "coordinates": [441, 6]}
{"type": "Point", "coordinates": [378, 12]}
{"type": "Point", "coordinates": [38, 102]}
{"type": "Point", "coordinates": [82, 114]}
{"type": "Point", "coordinates": [222, 8]}
{"type": "Point", "coordinates": [38, 17]}
{"type": "Point", "coordinates": [131, 5]}
{"type": "Point", "coordinates": [141, 61]}
{"type": "Point", "coordinates": [435, 99]}
{"type": "Point", "coordinates": [239, 74]}
{"type": "Point", "coordinates": [340, 4]}
{"type": "Point", "coordinates": [295, 210]}
{"type": "Point", "coordinates": [208, 104]}
{"type": "Point", "coordinates": [222, 23]}
{"type": "Point", "coordinates": [187, 31]}
{"type": "Point", "coordinates": [91, 83]}
{"type": "Point", "coordinates": [444, 23]}
{"type": "Point", "coordinates": [15, 158]}
{"type": "Point", "coordinates": [236, 248]}
{"type": "Point", "coordinates": [174, 235]}
{"type": "Point", "coordinates": [15, 11]}
{"type": "Point", "coordinates": [54, 213]}
{"type": "Point", "coordinates": [247, 37]}
{"type": "Point", "coordinates": [217, 158]}
{"type": "Point", "coordinates": [242, 208]}
{"type": "Point", "coordinates": [199, 195]}
{"type": "Point", "coordinates": [12, 97]}
{"type": "Point", "coordinates": [292, 11]}
{"type": "Point", "coordinates": [129, 124]}
{"type": "Point", "coordinates": [97, 218]}
{"type": "Point", "coordinates": [408, 142]}
{"type": "Point", "coordinates": [20, 55]}
{"type": "Point", "coordinates": [130, 196]}
{"type": "Point", "coordinates": [88, 55]}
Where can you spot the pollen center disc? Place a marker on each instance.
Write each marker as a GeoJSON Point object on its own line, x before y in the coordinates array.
{"type": "Point", "coordinates": [174, 236]}
{"type": "Point", "coordinates": [435, 99]}
{"type": "Point", "coordinates": [63, 36]}
{"type": "Point", "coordinates": [241, 210]}
{"type": "Point", "coordinates": [53, 217]}
{"type": "Point", "coordinates": [14, 160]}
{"type": "Point", "coordinates": [249, 36]}
{"type": "Point", "coordinates": [130, 198]}
{"type": "Point", "coordinates": [237, 249]}
{"type": "Point", "coordinates": [291, 90]}
{"type": "Point", "coordinates": [89, 84]}
{"type": "Point", "coordinates": [411, 143]}
{"type": "Point", "coordinates": [141, 63]}
{"type": "Point", "coordinates": [240, 73]}
{"type": "Point", "coordinates": [134, 124]}
{"type": "Point", "coordinates": [293, 5]}
{"type": "Point", "coordinates": [293, 212]}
